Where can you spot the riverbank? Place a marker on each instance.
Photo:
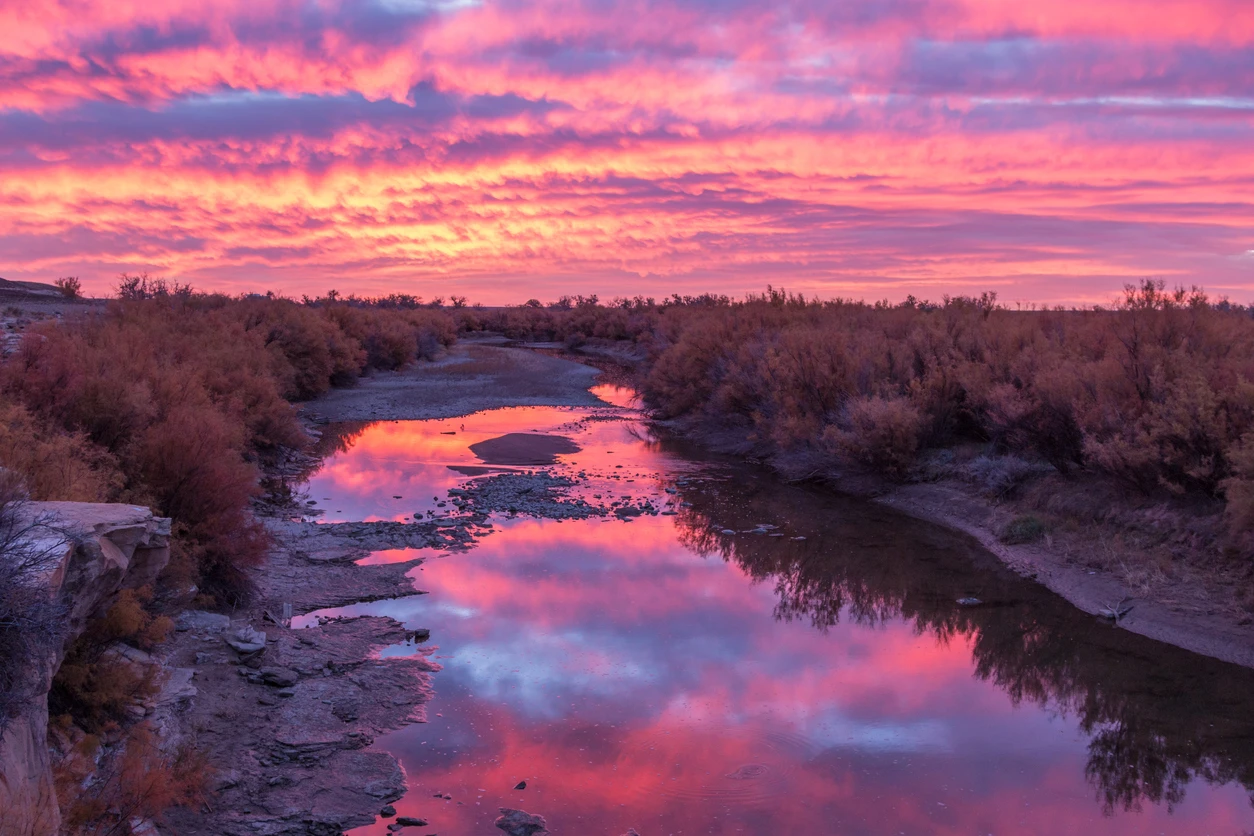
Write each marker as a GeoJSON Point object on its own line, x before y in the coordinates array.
{"type": "Point", "coordinates": [475, 375]}
{"type": "Point", "coordinates": [1189, 618]}
{"type": "Point", "coordinates": [285, 717]}
{"type": "Point", "coordinates": [655, 650]}
{"type": "Point", "coordinates": [286, 731]}
{"type": "Point", "coordinates": [1082, 564]}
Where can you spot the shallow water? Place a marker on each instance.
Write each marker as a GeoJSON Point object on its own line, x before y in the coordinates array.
{"type": "Point", "coordinates": [660, 674]}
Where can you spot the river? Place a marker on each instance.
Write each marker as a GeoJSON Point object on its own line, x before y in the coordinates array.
{"type": "Point", "coordinates": [759, 658]}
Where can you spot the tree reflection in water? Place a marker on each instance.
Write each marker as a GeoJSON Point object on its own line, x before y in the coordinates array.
{"type": "Point", "coordinates": [1157, 717]}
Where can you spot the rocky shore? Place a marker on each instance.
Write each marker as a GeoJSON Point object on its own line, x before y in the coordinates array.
{"type": "Point", "coordinates": [285, 716]}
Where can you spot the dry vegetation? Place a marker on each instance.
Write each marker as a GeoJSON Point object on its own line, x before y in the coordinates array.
{"type": "Point", "coordinates": [175, 400]}
{"type": "Point", "coordinates": [1128, 429]}
{"type": "Point", "coordinates": [1137, 418]}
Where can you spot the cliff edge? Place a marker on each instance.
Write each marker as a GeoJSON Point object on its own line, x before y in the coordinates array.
{"type": "Point", "coordinates": [95, 551]}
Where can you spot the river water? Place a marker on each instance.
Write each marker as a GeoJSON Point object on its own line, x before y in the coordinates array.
{"type": "Point", "coordinates": [766, 659]}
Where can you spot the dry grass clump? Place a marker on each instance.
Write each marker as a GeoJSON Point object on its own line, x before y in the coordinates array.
{"type": "Point", "coordinates": [1023, 529]}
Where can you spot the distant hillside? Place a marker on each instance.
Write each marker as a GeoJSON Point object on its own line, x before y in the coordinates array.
{"type": "Point", "coordinates": [28, 289]}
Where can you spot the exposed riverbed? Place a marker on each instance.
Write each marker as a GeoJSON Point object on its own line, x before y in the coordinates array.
{"type": "Point", "coordinates": [656, 640]}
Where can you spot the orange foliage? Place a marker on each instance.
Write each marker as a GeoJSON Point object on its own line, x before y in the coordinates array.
{"type": "Point", "coordinates": [54, 463]}
{"type": "Point", "coordinates": [97, 690]}
{"type": "Point", "coordinates": [172, 399]}
{"type": "Point", "coordinates": [137, 781]}
{"type": "Point", "coordinates": [1156, 392]}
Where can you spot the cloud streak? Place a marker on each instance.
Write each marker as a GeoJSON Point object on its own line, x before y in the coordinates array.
{"type": "Point", "coordinates": [515, 149]}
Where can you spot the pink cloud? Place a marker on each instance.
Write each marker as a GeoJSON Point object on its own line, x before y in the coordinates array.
{"type": "Point", "coordinates": [870, 149]}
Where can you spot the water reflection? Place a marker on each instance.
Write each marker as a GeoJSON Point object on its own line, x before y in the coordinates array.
{"type": "Point", "coordinates": [1159, 718]}
{"type": "Point", "coordinates": [662, 675]}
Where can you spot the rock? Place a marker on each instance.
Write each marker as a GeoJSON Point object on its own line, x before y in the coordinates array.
{"type": "Point", "coordinates": [521, 823]}
{"type": "Point", "coordinates": [247, 641]}
{"type": "Point", "coordinates": [95, 550]}
{"type": "Point", "coordinates": [225, 780]}
{"type": "Point", "coordinates": [176, 687]}
{"type": "Point", "coordinates": [384, 790]}
{"type": "Point", "coordinates": [410, 821]}
{"type": "Point", "coordinates": [334, 555]}
{"type": "Point", "coordinates": [388, 811]}
{"type": "Point", "coordinates": [346, 709]}
{"type": "Point", "coordinates": [422, 634]}
{"type": "Point", "coordinates": [202, 622]}
{"type": "Point", "coordinates": [279, 677]}
{"type": "Point", "coordinates": [143, 827]}
{"type": "Point", "coordinates": [521, 785]}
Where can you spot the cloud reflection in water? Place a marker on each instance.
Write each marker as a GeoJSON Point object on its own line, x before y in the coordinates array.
{"type": "Point", "coordinates": [659, 675]}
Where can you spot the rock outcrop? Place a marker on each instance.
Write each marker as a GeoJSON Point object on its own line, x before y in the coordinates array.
{"type": "Point", "coordinates": [99, 550]}
{"type": "Point", "coordinates": [521, 823]}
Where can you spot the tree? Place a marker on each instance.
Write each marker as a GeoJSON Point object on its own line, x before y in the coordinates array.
{"type": "Point", "coordinates": [70, 287]}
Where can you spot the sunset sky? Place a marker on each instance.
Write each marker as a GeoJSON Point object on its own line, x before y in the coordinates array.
{"type": "Point", "coordinates": [1050, 151]}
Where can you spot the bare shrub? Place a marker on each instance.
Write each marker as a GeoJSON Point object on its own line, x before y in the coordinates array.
{"type": "Point", "coordinates": [95, 689]}
{"type": "Point", "coordinates": [882, 433]}
{"type": "Point", "coordinates": [429, 345]}
{"type": "Point", "coordinates": [142, 286]}
{"type": "Point", "coordinates": [1239, 493]}
{"type": "Point", "coordinates": [311, 353]}
{"type": "Point", "coordinates": [999, 476]}
{"type": "Point", "coordinates": [54, 463]}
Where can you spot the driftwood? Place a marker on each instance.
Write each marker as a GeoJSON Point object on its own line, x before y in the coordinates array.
{"type": "Point", "coordinates": [1116, 611]}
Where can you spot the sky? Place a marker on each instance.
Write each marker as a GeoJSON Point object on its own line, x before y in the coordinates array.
{"type": "Point", "coordinates": [1050, 152]}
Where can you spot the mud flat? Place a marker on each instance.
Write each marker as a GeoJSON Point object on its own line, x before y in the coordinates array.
{"type": "Point", "coordinates": [284, 715]}
{"type": "Point", "coordinates": [470, 377]}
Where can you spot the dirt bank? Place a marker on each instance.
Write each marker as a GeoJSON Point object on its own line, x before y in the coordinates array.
{"type": "Point", "coordinates": [1189, 609]}
{"type": "Point", "coordinates": [1185, 615]}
